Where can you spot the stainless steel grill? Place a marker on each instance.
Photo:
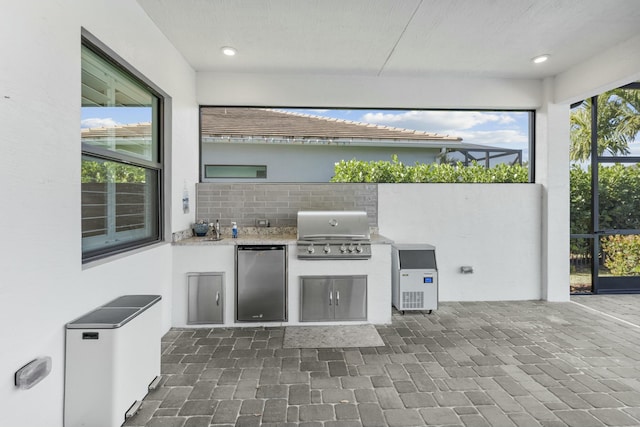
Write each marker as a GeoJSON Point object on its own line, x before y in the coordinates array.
{"type": "Point", "coordinates": [333, 235]}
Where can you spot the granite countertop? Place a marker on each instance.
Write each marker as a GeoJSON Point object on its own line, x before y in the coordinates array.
{"type": "Point", "coordinates": [243, 239]}
{"type": "Point", "coordinates": [260, 239]}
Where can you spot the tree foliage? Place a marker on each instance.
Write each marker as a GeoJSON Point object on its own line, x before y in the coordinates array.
{"type": "Point", "coordinates": [580, 199]}
{"type": "Point", "coordinates": [103, 172]}
{"type": "Point", "coordinates": [618, 123]}
{"type": "Point", "coordinates": [619, 207]}
{"type": "Point", "coordinates": [619, 198]}
{"type": "Point", "coordinates": [622, 255]}
{"type": "Point", "coordinates": [395, 171]}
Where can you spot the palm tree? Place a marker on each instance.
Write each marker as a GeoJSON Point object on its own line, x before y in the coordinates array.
{"type": "Point", "coordinates": [618, 123]}
{"type": "Point", "coordinates": [631, 104]}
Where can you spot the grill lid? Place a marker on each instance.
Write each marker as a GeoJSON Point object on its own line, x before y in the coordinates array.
{"type": "Point", "coordinates": [333, 225]}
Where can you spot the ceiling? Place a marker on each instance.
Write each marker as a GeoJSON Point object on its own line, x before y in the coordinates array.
{"type": "Point", "coordinates": [394, 38]}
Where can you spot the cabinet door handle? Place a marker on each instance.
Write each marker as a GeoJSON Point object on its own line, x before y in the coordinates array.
{"type": "Point", "coordinates": [337, 297]}
{"type": "Point", "coordinates": [330, 297]}
{"type": "Point", "coordinates": [217, 298]}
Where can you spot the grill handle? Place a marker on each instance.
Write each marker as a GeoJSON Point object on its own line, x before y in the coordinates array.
{"type": "Point", "coordinates": [334, 236]}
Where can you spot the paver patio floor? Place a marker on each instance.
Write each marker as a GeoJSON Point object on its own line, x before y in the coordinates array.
{"type": "Point", "coordinates": [529, 363]}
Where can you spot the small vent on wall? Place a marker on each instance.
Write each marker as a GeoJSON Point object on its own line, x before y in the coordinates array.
{"type": "Point", "coordinates": [413, 300]}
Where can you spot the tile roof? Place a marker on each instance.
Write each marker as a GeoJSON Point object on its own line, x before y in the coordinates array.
{"type": "Point", "coordinates": [241, 121]}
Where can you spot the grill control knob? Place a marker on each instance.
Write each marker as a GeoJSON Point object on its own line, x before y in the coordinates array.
{"type": "Point", "coordinates": [327, 249]}
{"type": "Point", "coordinates": [351, 249]}
{"type": "Point", "coordinates": [359, 249]}
{"type": "Point", "coordinates": [311, 249]}
{"type": "Point", "coordinates": [343, 249]}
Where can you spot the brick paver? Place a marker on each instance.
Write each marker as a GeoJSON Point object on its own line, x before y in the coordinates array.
{"type": "Point", "coordinates": [527, 363]}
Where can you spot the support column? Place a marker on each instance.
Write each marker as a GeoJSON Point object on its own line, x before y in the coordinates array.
{"type": "Point", "coordinates": [552, 171]}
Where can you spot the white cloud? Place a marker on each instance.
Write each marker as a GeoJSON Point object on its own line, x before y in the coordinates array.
{"type": "Point", "coordinates": [98, 123]}
{"type": "Point", "coordinates": [451, 122]}
{"type": "Point", "coordinates": [505, 138]}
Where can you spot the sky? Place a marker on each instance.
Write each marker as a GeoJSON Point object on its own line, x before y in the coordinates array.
{"type": "Point", "coordinates": [503, 129]}
{"type": "Point", "coordinates": [93, 117]}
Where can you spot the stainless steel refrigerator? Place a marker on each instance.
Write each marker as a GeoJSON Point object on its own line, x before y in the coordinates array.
{"type": "Point", "coordinates": [261, 283]}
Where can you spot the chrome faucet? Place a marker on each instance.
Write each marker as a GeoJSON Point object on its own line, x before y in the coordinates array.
{"type": "Point", "coordinates": [217, 230]}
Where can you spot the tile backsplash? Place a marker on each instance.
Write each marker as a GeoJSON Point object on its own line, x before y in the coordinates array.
{"type": "Point", "coordinates": [280, 203]}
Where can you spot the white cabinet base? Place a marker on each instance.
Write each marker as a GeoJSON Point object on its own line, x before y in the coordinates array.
{"type": "Point", "coordinates": [108, 370]}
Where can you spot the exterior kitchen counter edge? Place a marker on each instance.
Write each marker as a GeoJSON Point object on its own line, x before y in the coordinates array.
{"type": "Point", "coordinates": [261, 239]}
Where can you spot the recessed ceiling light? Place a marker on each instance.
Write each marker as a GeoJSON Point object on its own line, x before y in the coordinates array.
{"type": "Point", "coordinates": [540, 59]}
{"type": "Point", "coordinates": [229, 51]}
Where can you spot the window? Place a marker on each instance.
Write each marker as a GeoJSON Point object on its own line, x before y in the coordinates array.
{"type": "Point", "coordinates": [605, 201]}
{"type": "Point", "coordinates": [121, 136]}
{"type": "Point", "coordinates": [310, 145]}
{"type": "Point", "coordinates": [235, 171]}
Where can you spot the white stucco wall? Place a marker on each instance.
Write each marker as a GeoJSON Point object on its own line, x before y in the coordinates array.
{"type": "Point", "coordinates": [43, 284]}
{"type": "Point", "coordinates": [334, 91]}
{"type": "Point", "coordinates": [494, 228]}
{"type": "Point", "coordinates": [608, 70]}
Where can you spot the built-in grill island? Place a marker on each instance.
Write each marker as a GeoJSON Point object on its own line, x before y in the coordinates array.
{"type": "Point", "coordinates": [329, 238]}
{"type": "Point", "coordinates": [333, 235]}
{"type": "Point", "coordinates": [335, 268]}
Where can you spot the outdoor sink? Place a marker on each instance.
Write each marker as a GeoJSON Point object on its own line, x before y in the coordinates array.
{"type": "Point", "coordinates": [212, 239]}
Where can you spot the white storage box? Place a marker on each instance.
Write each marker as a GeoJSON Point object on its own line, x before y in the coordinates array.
{"type": "Point", "coordinates": [112, 356]}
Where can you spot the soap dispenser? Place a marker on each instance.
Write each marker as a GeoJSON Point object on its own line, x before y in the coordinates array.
{"type": "Point", "coordinates": [234, 230]}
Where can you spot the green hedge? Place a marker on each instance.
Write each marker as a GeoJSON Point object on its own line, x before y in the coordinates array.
{"type": "Point", "coordinates": [622, 255]}
{"type": "Point", "coordinates": [397, 172]}
{"type": "Point", "coordinates": [619, 197]}
{"type": "Point", "coordinates": [619, 203]}
{"type": "Point", "coordinates": [101, 172]}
